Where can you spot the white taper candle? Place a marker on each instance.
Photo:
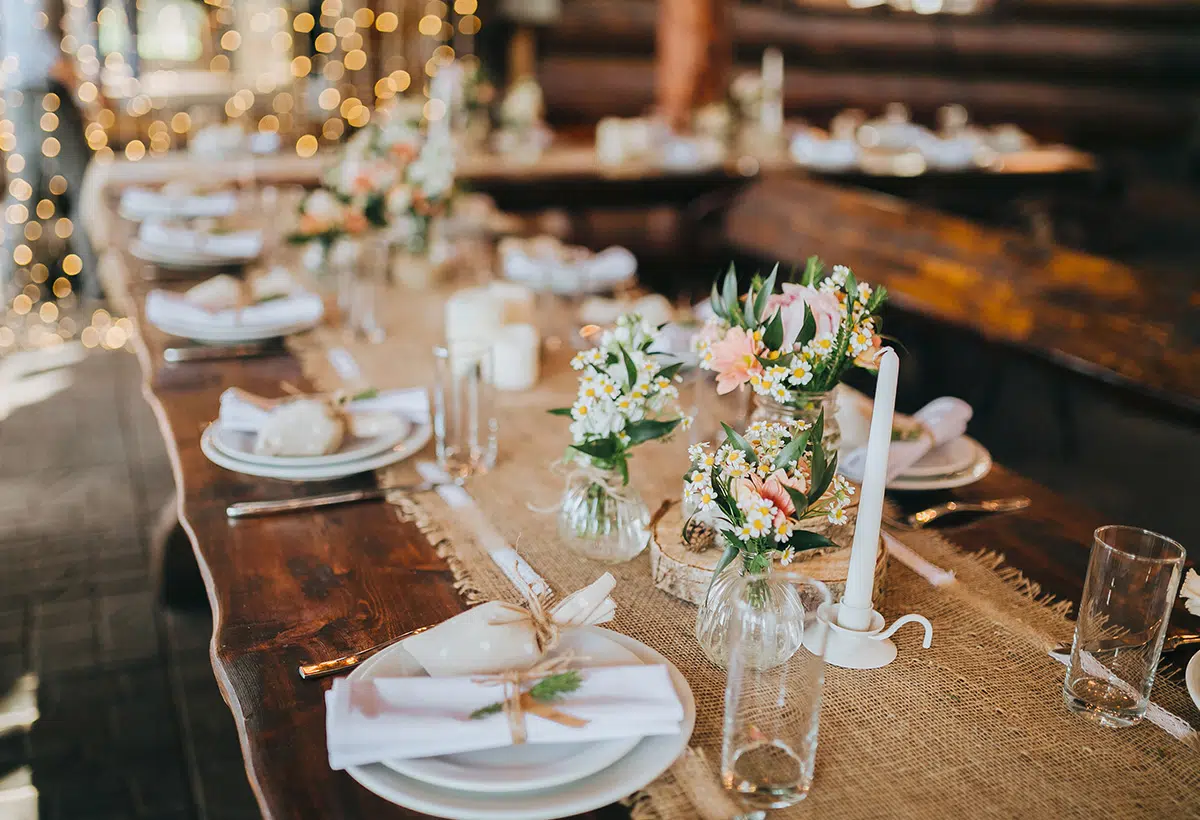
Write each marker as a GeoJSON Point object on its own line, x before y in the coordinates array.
{"type": "Point", "coordinates": [856, 606]}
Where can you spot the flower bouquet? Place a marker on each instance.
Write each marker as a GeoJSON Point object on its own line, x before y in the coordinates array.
{"type": "Point", "coordinates": [792, 347]}
{"type": "Point", "coordinates": [756, 490]}
{"type": "Point", "coordinates": [627, 396]}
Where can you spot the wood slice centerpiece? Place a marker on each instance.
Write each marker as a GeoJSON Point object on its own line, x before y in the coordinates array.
{"type": "Point", "coordinates": [685, 569]}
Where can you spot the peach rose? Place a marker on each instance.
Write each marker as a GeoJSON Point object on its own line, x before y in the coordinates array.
{"type": "Point", "coordinates": [733, 359]}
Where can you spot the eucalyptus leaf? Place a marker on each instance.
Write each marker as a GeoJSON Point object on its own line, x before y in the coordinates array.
{"type": "Point", "coordinates": [805, 540]}
{"type": "Point", "coordinates": [671, 370]}
{"type": "Point", "coordinates": [798, 498]}
{"type": "Point", "coordinates": [764, 294]}
{"type": "Point", "coordinates": [601, 448]}
{"type": "Point", "coordinates": [809, 329]}
{"type": "Point", "coordinates": [648, 429]}
{"type": "Point", "coordinates": [729, 294]}
{"type": "Point", "coordinates": [812, 270]}
{"type": "Point", "coordinates": [773, 335]}
{"type": "Point", "coordinates": [851, 287]}
{"type": "Point", "coordinates": [817, 431]}
{"type": "Point", "coordinates": [560, 411]}
{"type": "Point", "coordinates": [714, 300]}
{"type": "Point", "coordinates": [630, 368]}
{"type": "Point", "coordinates": [792, 451]}
{"type": "Point", "coordinates": [735, 439]}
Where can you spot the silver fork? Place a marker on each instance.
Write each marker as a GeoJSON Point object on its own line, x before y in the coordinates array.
{"type": "Point", "coordinates": [924, 518]}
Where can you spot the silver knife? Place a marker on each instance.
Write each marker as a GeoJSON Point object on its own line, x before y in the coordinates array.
{"type": "Point", "coordinates": [211, 353]}
{"type": "Point", "coordinates": [243, 509]}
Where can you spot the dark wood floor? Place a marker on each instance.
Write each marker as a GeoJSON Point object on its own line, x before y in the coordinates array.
{"type": "Point", "coordinates": [132, 724]}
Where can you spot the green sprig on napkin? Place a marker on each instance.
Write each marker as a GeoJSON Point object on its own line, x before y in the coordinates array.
{"type": "Point", "coordinates": [547, 690]}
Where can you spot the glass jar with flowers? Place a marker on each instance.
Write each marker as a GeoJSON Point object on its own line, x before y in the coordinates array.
{"type": "Point", "coordinates": [756, 491]}
{"type": "Point", "coordinates": [627, 396]}
{"type": "Point", "coordinates": [792, 348]}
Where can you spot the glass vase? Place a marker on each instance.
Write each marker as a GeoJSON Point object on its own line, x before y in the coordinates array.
{"type": "Point", "coordinates": [774, 632]}
{"type": "Point", "coordinates": [601, 518]}
{"type": "Point", "coordinates": [806, 407]}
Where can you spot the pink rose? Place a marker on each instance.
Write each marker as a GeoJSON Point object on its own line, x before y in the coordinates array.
{"type": "Point", "coordinates": [824, 306]}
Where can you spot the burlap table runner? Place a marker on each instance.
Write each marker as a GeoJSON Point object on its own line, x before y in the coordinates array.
{"type": "Point", "coordinates": [974, 726]}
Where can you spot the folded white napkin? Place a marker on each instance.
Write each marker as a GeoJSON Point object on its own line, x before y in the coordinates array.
{"type": "Point", "coordinates": [239, 413]}
{"type": "Point", "coordinates": [492, 637]}
{"type": "Point", "coordinates": [942, 420]}
{"type": "Point", "coordinates": [400, 718]}
{"type": "Point", "coordinates": [170, 310]}
{"type": "Point", "coordinates": [593, 272]}
{"type": "Point", "coordinates": [142, 203]}
{"type": "Point", "coordinates": [238, 245]}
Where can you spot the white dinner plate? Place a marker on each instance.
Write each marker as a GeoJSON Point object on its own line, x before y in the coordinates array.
{"type": "Point", "coordinates": [233, 335]}
{"type": "Point", "coordinates": [183, 259]}
{"type": "Point", "coordinates": [978, 465]}
{"type": "Point", "coordinates": [952, 457]}
{"type": "Point", "coordinates": [240, 444]}
{"type": "Point", "coordinates": [418, 436]}
{"type": "Point", "coordinates": [1191, 676]}
{"type": "Point", "coordinates": [648, 759]}
{"type": "Point", "coordinates": [514, 768]}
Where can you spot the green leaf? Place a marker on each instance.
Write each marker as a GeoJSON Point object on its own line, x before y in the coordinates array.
{"type": "Point", "coordinates": [804, 540]}
{"type": "Point", "coordinates": [648, 430]}
{"type": "Point", "coordinates": [817, 431]}
{"type": "Point", "coordinates": [729, 294]}
{"type": "Point", "coordinates": [798, 498]}
{"type": "Point", "coordinates": [601, 448]}
{"type": "Point", "coordinates": [622, 465]}
{"type": "Point", "coordinates": [369, 393]}
{"type": "Point", "coordinates": [818, 475]}
{"type": "Point", "coordinates": [764, 295]}
{"type": "Point", "coordinates": [809, 329]}
{"type": "Point", "coordinates": [671, 370]}
{"type": "Point", "coordinates": [812, 271]}
{"type": "Point", "coordinates": [714, 299]}
{"type": "Point", "coordinates": [630, 368]}
{"type": "Point", "coordinates": [736, 440]}
{"type": "Point", "coordinates": [792, 451]}
{"type": "Point", "coordinates": [852, 289]}
{"type": "Point", "coordinates": [773, 335]}
{"type": "Point", "coordinates": [731, 551]}
{"type": "Point", "coordinates": [560, 411]}
{"type": "Point", "coordinates": [878, 297]}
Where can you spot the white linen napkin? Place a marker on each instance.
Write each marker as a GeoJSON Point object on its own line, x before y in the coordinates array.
{"type": "Point", "coordinates": [141, 203]}
{"type": "Point", "coordinates": [238, 245]}
{"type": "Point", "coordinates": [172, 310]}
{"type": "Point", "coordinates": [239, 413]}
{"type": "Point", "coordinates": [942, 420]}
{"type": "Point", "coordinates": [492, 638]}
{"type": "Point", "coordinates": [601, 271]}
{"type": "Point", "coordinates": [401, 718]}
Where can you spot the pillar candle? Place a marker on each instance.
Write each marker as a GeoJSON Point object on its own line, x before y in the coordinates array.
{"type": "Point", "coordinates": [515, 352]}
{"type": "Point", "coordinates": [855, 609]}
{"type": "Point", "coordinates": [474, 313]}
{"type": "Point", "coordinates": [516, 301]}
{"type": "Point", "coordinates": [771, 112]}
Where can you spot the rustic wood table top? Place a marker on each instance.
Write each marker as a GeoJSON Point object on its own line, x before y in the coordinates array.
{"type": "Point", "coordinates": [1092, 315]}
{"type": "Point", "coordinates": [293, 588]}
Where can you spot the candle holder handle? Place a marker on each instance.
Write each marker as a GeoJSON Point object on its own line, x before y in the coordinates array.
{"type": "Point", "coordinates": [869, 648]}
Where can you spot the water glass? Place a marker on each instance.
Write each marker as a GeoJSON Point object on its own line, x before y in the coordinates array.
{"type": "Point", "coordinates": [464, 425]}
{"type": "Point", "coordinates": [360, 289]}
{"type": "Point", "coordinates": [772, 708]}
{"type": "Point", "coordinates": [1132, 580]}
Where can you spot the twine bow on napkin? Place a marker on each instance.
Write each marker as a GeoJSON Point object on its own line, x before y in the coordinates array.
{"type": "Point", "coordinates": [586, 607]}
{"type": "Point", "coordinates": [551, 678]}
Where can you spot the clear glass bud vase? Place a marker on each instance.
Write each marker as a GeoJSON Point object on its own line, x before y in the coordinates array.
{"type": "Point", "coordinates": [602, 518]}
{"type": "Point", "coordinates": [773, 633]}
{"type": "Point", "coordinates": [806, 407]}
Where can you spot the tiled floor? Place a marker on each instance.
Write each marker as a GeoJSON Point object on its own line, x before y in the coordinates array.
{"type": "Point", "coordinates": [132, 725]}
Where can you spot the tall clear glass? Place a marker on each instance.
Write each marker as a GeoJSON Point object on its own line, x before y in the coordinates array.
{"type": "Point", "coordinates": [464, 423]}
{"type": "Point", "coordinates": [772, 710]}
{"type": "Point", "coordinates": [1132, 580]}
{"type": "Point", "coordinates": [361, 286]}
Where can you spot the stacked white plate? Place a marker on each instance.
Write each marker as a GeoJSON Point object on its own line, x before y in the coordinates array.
{"type": "Point", "coordinates": [956, 463]}
{"type": "Point", "coordinates": [172, 314]}
{"type": "Point", "coordinates": [397, 436]}
{"type": "Point", "coordinates": [537, 781]}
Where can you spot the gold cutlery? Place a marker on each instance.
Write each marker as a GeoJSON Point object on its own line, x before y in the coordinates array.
{"type": "Point", "coordinates": [245, 509]}
{"type": "Point", "coordinates": [320, 670]}
{"type": "Point", "coordinates": [924, 518]}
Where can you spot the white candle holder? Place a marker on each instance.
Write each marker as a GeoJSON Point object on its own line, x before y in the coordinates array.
{"type": "Point", "coordinates": [868, 648]}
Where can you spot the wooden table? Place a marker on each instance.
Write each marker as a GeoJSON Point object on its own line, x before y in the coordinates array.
{"type": "Point", "coordinates": [1091, 315]}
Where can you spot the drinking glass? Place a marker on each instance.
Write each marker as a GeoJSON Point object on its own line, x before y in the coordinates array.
{"type": "Point", "coordinates": [360, 288]}
{"type": "Point", "coordinates": [772, 706]}
{"type": "Point", "coordinates": [464, 426]}
{"type": "Point", "coordinates": [1132, 580]}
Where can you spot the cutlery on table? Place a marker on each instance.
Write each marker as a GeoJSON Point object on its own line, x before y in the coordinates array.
{"type": "Point", "coordinates": [209, 353]}
{"type": "Point", "coordinates": [919, 520]}
{"type": "Point", "coordinates": [320, 670]}
{"type": "Point", "coordinates": [1170, 644]}
{"type": "Point", "coordinates": [243, 509]}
